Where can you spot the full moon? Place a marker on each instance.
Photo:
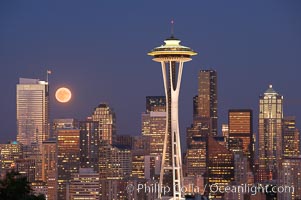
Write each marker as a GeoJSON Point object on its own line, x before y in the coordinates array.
{"type": "Point", "coordinates": [63, 95]}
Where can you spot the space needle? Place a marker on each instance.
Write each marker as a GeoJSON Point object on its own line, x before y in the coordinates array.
{"type": "Point", "coordinates": [172, 56]}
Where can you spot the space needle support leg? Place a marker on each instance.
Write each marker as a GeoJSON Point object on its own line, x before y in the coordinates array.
{"type": "Point", "coordinates": [175, 137]}
{"type": "Point", "coordinates": [166, 129]}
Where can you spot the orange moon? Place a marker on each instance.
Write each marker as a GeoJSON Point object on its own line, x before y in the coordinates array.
{"type": "Point", "coordinates": [63, 95]}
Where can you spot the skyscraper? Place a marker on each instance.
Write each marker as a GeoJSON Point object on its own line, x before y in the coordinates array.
{"type": "Point", "coordinates": [220, 166]}
{"type": "Point", "coordinates": [89, 144]}
{"type": "Point", "coordinates": [206, 101]}
{"type": "Point", "coordinates": [170, 55]}
{"type": "Point", "coordinates": [196, 157]}
{"type": "Point", "coordinates": [107, 122]}
{"type": "Point", "coordinates": [32, 111]}
{"type": "Point", "coordinates": [68, 151]}
{"type": "Point", "coordinates": [115, 166]}
{"type": "Point", "coordinates": [9, 153]}
{"type": "Point", "coordinates": [240, 123]}
{"type": "Point", "coordinates": [290, 177]}
{"type": "Point", "coordinates": [154, 125]}
{"type": "Point", "coordinates": [290, 137]}
{"type": "Point", "coordinates": [84, 185]}
{"type": "Point", "coordinates": [270, 134]}
{"type": "Point", "coordinates": [155, 104]}
{"type": "Point", "coordinates": [49, 167]}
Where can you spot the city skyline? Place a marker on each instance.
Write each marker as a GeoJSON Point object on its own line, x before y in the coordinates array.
{"type": "Point", "coordinates": [248, 39]}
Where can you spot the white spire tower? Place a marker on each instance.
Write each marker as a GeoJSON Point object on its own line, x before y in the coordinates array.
{"type": "Point", "coordinates": [172, 56]}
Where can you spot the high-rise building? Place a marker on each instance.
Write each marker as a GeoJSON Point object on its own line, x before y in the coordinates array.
{"type": "Point", "coordinates": [89, 144]}
{"type": "Point", "coordinates": [32, 111]}
{"type": "Point", "coordinates": [290, 178]}
{"type": "Point", "coordinates": [155, 104]}
{"type": "Point", "coordinates": [220, 166]}
{"type": "Point", "coordinates": [49, 167]}
{"type": "Point", "coordinates": [85, 185]}
{"type": "Point", "coordinates": [206, 101]}
{"type": "Point", "coordinates": [26, 167]}
{"type": "Point", "coordinates": [39, 188]}
{"type": "Point", "coordinates": [107, 122]}
{"type": "Point", "coordinates": [68, 156]}
{"type": "Point", "coordinates": [270, 134]}
{"type": "Point", "coordinates": [9, 153]}
{"type": "Point", "coordinates": [172, 56]}
{"type": "Point", "coordinates": [115, 166]}
{"type": "Point", "coordinates": [195, 158]}
{"type": "Point", "coordinates": [140, 156]}
{"type": "Point", "coordinates": [291, 137]}
{"type": "Point", "coordinates": [154, 126]}
{"type": "Point", "coordinates": [242, 171]}
{"type": "Point", "coordinates": [63, 123]}
{"type": "Point", "coordinates": [204, 123]}
{"type": "Point", "coordinates": [240, 123]}
{"type": "Point", "coordinates": [124, 140]}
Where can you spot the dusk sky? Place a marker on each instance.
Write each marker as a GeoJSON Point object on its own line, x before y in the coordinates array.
{"type": "Point", "coordinates": [98, 49]}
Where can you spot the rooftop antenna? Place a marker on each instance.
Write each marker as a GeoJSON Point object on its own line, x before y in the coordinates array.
{"type": "Point", "coordinates": [47, 74]}
{"type": "Point", "coordinates": [172, 28]}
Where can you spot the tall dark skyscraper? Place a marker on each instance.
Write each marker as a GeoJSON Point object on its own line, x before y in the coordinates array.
{"type": "Point", "coordinates": [204, 123]}
{"type": "Point", "coordinates": [89, 144]}
{"type": "Point", "coordinates": [270, 134]}
{"type": "Point", "coordinates": [206, 101]}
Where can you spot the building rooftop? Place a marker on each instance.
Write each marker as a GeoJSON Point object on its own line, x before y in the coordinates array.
{"type": "Point", "coordinates": [270, 90]}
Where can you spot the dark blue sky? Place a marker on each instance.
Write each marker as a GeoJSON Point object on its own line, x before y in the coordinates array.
{"type": "Point", "coordinates": [98, 49]}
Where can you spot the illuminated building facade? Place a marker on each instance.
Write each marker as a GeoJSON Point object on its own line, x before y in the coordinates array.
{"type": "Point", "coordinates": [270, 134]}
{"type": "Point", "coordinates": [89, 144]}
{"type": "Point", "coordinates": [240, 123]}
{"type": "Point", "coordinates": [85, 185]}
{"type": "Point", "coordinates": [204, 123]}
{"type": "Point", "coordinates": [38, 188]}
{"type": "Point", "coordinates": [290, 176]}
{"type": "Point", "coordinates": [155, 104]}
{"type": "Point", "coordinates": [9, 153]}
{"type": "Point", "coordinates": [172, 56]}
{"type": "Point", "coordinates": [32, 99]}
{"type": "Point", "coordinates": [115, 166]}
{"type": "Point", "coordinates": [63, 123]}
{"type": "Point", "coordinates": [196, 157]}
{"type": "Point", "coordinates": [220, 166]}
{"type": "Point", "coordinates": [107, 122]}
{"type": "Point", "coordinates": [32, 111]}
{"type": "Point", "coordinates": [26, 167]}
{"type": "Point", "coordinates": [225, 130]}
{"type": "Point", "coordinates": [68, 155]}
{"type": "Point", "coordinates": [291, 137]}
{"type": "Point", "coordinates": [49, 167]}
{"type": "Point", "coordinates": [140, 157]}
{"type": "Point", "coordinates": [154, 126]}
{"type": "Point", "coordinates": [206, 101]}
